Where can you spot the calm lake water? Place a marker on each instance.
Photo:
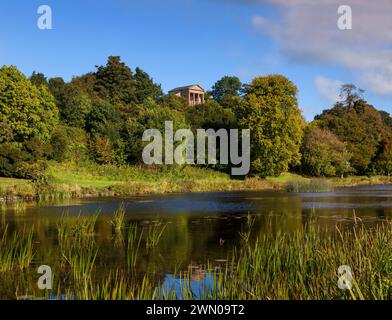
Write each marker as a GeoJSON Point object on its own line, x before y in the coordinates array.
{"type": "Point", "coordinates": [200, 228]}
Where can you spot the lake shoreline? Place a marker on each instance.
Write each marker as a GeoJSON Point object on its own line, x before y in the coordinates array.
{"type": "Point", "coordinates": [72, 181]}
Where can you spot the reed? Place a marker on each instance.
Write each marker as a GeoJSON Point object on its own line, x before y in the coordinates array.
{"type": "Point", "coordinates": [16, 250]}
{"type": "Point", "coordinates": [6, 252]}
{"type": "Point", "coordinates": [20, 207]}
{"type": "Point", "coordinates": [314, 185]}
{"type": "Point", "coordinates": [118, 220]}
{"type": "Point", "coordinates": [155, 233]}
{"type": "Point", "coordinates": [77, 246]}
{"type": "Point", "coordinates": [25, 251]}
{"type": "Point", "coordinates": [3, 208]}
{"type": "Point", "coordinates": [304, 266]}
{"type": "Point", "coordinates": [76, 228]}
{"type": "Point", "coordinates": [82, 262]}
{"type": "Point", "coordinates": [133, 245]}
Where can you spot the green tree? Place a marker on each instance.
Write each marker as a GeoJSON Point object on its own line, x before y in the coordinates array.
{"type": "Point", "coordinates": [38, 79]}
{"type": "Point", "coordinates": [175, 102]}
{"type": "Point", "coordinates": [75, 107]}
{"type": "Point", "coordinates": [226, 87]}
{"type": "Point", "coordinates": [26, 111]}
{"type": "Point", "coordinates": [270, 110]}
{"type": "Point", "coordinates": [57, 87]}
{"type": "Point", "coordinates": [358, 124]}
{"type": "Point", "coordinates": [211, 115]}
{"type": "Point", "coordinates": [386, 117]}
{"type": "Point", "coordinates": [323, 154]}
{"type": "Point", "coordinates": [350, 94]}
{"type": "Point", "coordinates": [148, 118]}
{"type": "Point", "coordinates": [385, 161]}
{"type": "Point", "coordinates": [12, 157]}
{"type": "Point", "coordinates": [69, 143]}
{"type": "Point", "coordinates": [115, 83]}
{"type": "Point", "coordinates": [145, 87]}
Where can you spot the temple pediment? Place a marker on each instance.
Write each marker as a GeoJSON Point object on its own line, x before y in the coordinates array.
{"type": "Point", "coordinates": [195, 94]}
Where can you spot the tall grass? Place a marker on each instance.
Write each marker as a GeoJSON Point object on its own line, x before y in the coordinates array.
{"type": "Point", "coordinates": [77, 244]}
{"type": "Point", "coordinates": [155, 233]}
{"type": "Point", "coordinates": [118, 220]}
{"type": "Point", "coordinates": [16, 250]}
{"type": "Point", "coordinates": [19, 207]}
{"type": "Point", "coordinates": [314, 185]}
{"type": "Point", "coordinates": [133, 245]}
{"type": "Point", "coordinates": [76, 228]}
{"type": "Point", "coordinates": [304, 265]}
{"type": "Point", "coordinates": [299, 265]}
{"type": "Point", "coordinates": [82, 261]}
{"type": "Point", "coordinates": [3, 207]}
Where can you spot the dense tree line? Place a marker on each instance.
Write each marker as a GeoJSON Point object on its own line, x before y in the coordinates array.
{"type": "Point", "coordinates": [101, 116]}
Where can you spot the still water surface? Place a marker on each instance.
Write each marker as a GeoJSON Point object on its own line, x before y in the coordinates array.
{"type": "Point", "coordinates": [200, 228]}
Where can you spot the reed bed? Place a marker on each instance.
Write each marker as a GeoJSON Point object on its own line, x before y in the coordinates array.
{"type": "Point", "coordinates": [302, 265]}
{"type": "Point", "coordinates": [16, 250]}
{"type": "Point", "coordinates": [299, 265]}
{"type": "Point", "coordinates": [314, 185]}
{"type": "Point", "coordinates": [76, 229]}
{"type": "Point", "coordinates": [20, 207]}
{"type": "Point", "coordinates": [3, 208]}
{"type": "Point", "coordinates": [77, 246]}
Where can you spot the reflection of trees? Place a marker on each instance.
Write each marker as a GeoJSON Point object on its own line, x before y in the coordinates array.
{"type": "Point", "coordinates": [193, 240]}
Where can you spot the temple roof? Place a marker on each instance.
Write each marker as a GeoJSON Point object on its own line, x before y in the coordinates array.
{"type": "Point", "coordinates": [191, 87]}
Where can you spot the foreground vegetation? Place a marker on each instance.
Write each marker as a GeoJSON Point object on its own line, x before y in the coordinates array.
{"type": "Point", "coordinates": [298, 265]}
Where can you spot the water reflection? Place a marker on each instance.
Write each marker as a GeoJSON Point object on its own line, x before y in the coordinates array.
{"type": "Point", "coordinates": [199, 286]}
{"type": "Point", "coordinates": [201, 228]}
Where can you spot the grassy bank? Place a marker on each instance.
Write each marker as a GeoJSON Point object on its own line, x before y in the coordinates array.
{"type": "Point", "coordinates": [66, 180]}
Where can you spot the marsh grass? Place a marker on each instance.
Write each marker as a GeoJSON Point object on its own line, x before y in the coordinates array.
{"type": "Point", "coordinates": [118, 220]}
{"type": "Point", "coordinates": [3, 208]}
{"type": "Point", "coordinates": [20, 207]}
{"type": "Point", "coordinates": [133, 245]}
{"type": "Point", "coordinates": [52, 195]}
{"type": "Point", "coordinates": [76, 227]}
{"type": "Point", "coordinates": [77, 243]}
{"type": "Point", "coordinates": [82, 262]}
{"type": "Point", "coordinates": [16, 250]}
{"type": "Point", "coordinates": [299, 265]}
{"type": "Point", "coordinates": [154, 234]}
{"type": "Point", "coordinates": [302, 265]}
{"type": "Point", "coordinates": [313, 185]}
{"type": "Point", "coordinates": [245, 234]}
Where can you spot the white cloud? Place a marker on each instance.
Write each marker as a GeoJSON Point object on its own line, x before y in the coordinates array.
{"type": "Point", "coordinates": [307, 32]}
{"type": "Point", "coordinates": [260, 21]}
{"type": "Point", "coordinates": [328, 88]}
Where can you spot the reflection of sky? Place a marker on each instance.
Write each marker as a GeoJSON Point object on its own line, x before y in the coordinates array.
{"type": "Point", "coordinates": [199, 288]}
{"type": "Point", "coordinates": [181, 205]}
{"type": "Point", "coordinates": [362, 197]}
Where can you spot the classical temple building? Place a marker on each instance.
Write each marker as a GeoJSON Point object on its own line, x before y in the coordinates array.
{"type": "Point", "coordinates": [194, 94]}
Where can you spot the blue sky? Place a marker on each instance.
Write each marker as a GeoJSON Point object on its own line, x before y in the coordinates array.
{"type": "Point", "coordinates": [180, 42]}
